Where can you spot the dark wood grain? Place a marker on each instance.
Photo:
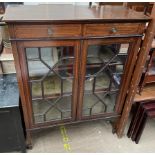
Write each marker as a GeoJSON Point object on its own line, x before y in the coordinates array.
{"type": "Point", "coordinates": [143, 108]}
{"type": "Point", "coordinates": [128, 71]}
{"type": "Point", "coordinates": [52, 14]}
{"type": "Point", "coordinates": [77, 26]}
{"type": "Point", "coordinates": [75, 44]}
{"type": "Point", "coordinates": [128, 68]}
{"type": "Point", "coordinates": [147, 43]}
{"type": "Point", "coordinates": [44, 31]}
{"type": "Point", "coordinates": [107, 29]}
{"type": "Point", "coordinates": [148, 77]}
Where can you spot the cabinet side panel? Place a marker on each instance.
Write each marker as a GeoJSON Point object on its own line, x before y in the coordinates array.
{"type": "Point", "coordinates": [19, 78]}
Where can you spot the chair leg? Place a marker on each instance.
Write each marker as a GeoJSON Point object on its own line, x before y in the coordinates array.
{"type": "Point", "coordinates": [141, 129]}
{"type": "Point", "coordinates": [133, 121]}
{"type": "Point", "coordinates": [139, 120]}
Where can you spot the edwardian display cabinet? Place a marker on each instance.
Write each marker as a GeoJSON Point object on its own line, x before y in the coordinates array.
{"type": "Point", "coordinates": [73, 63]}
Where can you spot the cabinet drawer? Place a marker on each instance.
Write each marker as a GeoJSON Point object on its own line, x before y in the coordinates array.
{"type": "Point", "coordinates": [113, 29]}
{"type": "Point", "coordinates": [43, 31]}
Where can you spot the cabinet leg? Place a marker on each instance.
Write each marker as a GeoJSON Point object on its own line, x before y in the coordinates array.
{"type": "Point", "coordinates": [113, 127]}
{"type": "Point", "coordinates": [139, 134]}
{"type": "Point", "coordinates": [24, 150]}
{"type": "Point", "coordinates": [113, 130]}
{"type": "Point", "coordinates": [28, 140]}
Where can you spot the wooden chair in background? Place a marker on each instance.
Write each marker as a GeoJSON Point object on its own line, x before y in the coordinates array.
{"type": "Point", "coordinates": [145, 102]}
{"type": "Point", "coordinates": [148, 75]}
{"type": "Point", "coordinates": [145, 7]}
{"type": "Point", "coordinates": [144, 110]}
{"type": "Point", "coordinates": [106, 3]}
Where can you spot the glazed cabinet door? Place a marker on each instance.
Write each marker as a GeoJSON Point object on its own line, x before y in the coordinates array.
{"type": "Point", "coordinates": [103, 73]}
{"type": "Point", "coordinates": [49, 71]}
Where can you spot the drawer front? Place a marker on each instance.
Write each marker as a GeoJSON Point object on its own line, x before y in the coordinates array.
{"type": "Point", "coordinates": [46, 31]}
{"type": "Point", "coordinates": [113, 29]}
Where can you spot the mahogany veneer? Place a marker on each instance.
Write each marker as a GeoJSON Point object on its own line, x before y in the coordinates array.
{"type": "Point", "coordinates": [44, 31]}
{"type": "Point", "coordinates": [112, 29]}
{"type": "Point", "coordinates": [85, 61]}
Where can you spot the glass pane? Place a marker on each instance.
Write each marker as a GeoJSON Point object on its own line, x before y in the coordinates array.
{"type": "Point", "coordinates": [52, 109]}
{"type": "Point", "coordinates": [32, 53]}
{"type": "Point", "coordinates": [104, 69]}
{"type": "Point", "coordinates": [36, 69]}
{"type": "Point", "coordinates": [98, 103]}
{"type": "Point", "coordinates": [93, 65]}
{"type": "Point", "coordinates": [39, 109]}
{"type": "Point", "coordinates": [52, 85]}
{"type": "Point", "coordinates": [64, 68]}
{"type": "Point", "coordinates": [51, 82]}
{"type": "Point", "coordinates": [61, 111]}
{"type": "Point", "coordinates": [67, 86]}
{"type": "Point", "coordinates": [36, 90]}
{"type": "Point", "coordinates": [102, 81]}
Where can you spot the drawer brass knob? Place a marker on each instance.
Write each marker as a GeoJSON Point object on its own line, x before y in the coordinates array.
{"type": "Point", "coordinates": [113, 30]}
{"type": "Point", "coordinates": [50, 32]}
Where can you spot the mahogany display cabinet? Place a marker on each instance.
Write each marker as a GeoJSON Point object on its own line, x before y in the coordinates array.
{"type": "Point", "coordinates": [73, 63]}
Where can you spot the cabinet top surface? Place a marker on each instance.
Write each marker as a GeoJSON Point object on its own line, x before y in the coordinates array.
{"type": "Point", "coordinates": [68, 13]}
